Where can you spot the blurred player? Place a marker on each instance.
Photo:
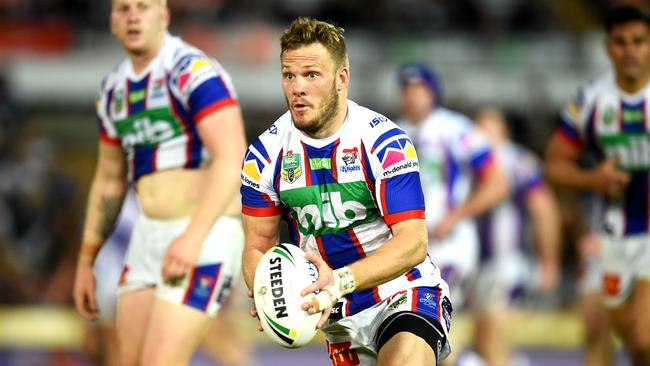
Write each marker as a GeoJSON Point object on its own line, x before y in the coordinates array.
{"type": "Point", "coordinates": [459, 175]}
{"type": "Point", "coordinates": [170, 124]}
{"type": "Point", "coordinates": [346, 180]}
{"type": "Point", "coordinates": [505, 262]}
{"type": "Point", "coordinates": [609, 117]}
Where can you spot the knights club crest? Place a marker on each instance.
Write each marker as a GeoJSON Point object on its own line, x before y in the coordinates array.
{"type": "Point", "coordinates": [291, 167]}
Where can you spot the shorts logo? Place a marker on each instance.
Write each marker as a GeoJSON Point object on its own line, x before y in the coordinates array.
{"type": "Point", "coordinates": [291, 167]}
{"type": "Point", "coordinates": [399, 302]}
{"type": "Point", "coordinates": [341, 354]}
{"type": "Point", "coordinates": [611, 284]}
{"type": "Point", "coordinates": [429, 299]}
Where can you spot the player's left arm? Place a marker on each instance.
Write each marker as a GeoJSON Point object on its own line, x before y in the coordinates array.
{"type": "Point", "coordinates": [490, 189]}
{"type": "Point", "coordinates": [406, 249]}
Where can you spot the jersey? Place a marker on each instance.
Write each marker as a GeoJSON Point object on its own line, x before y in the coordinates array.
{"type": "Point", "coordinates": [503, 229]}
{"type": "Point", "coordinates": [339, 195]}
{"type": "Point", "coordinates": [451, 155]}
{"type": "Point", "coordinates": [611, 123]}
{"type": "Point", "coordinates": [154, 115]}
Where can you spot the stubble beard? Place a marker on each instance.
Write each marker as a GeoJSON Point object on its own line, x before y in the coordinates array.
{"type": "Point", "coordinates": [327, 113]}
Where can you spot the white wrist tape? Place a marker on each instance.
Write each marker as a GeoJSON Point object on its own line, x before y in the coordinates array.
{"type": "Point", "coordinates": [343, 284]}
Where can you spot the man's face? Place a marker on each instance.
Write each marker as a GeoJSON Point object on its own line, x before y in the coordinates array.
{"type": "Point", "coordinates": [139, 24]}
{"type": "Point", "coordinates": [311, 85]}
{"type": "Point", "coordinates": [417, 101]}
{"type": "Point", "coordinates": [628, 46]}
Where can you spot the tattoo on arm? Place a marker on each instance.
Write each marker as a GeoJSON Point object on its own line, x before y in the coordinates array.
{"type": "Point", "coordinates": [109, 208]}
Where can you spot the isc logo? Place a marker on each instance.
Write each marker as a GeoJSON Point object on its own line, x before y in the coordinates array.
{"type": "Point", "coordinates": [335, 213]}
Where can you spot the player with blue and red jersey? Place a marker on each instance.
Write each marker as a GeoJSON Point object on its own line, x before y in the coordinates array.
{"type": "Point", "coordinates": [170, 125]}
{"type": "Point", "coordinates": [346, 181]}
{"type": "Point", "coordinates": [609, 117]}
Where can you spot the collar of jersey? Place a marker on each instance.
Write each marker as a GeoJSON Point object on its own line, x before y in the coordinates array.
{"type": "Point", "coordinates": [318, 143]}
{"type": "Point", "coordinates": [131, 73]}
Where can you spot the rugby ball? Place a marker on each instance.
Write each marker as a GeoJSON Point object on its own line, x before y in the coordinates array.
{"type": "Point", "coordinates": [281, 274]}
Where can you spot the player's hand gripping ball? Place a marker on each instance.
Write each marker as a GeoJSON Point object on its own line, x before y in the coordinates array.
{"type": "Point", "coordinates": [281, 274]}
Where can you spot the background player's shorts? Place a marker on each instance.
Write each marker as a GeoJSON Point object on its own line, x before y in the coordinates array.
{"type": "Point", "coordinates": [625, 260]}
{"type": "Point", "coordinates": [217, 268]}
{"type": "Point", "coordinates": [590, 274]}
{"type": "Point", "coordinates": [457, 257]}
{"type": "Point", "coordinates": [352, 340]}
{"type": "Point", "coordinates": [107, 268]}
{"type": "Point", "coordinates": [500, 281]}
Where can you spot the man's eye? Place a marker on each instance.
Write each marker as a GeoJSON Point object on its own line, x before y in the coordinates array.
{"type": "Point", "coordinates": [311, 75]}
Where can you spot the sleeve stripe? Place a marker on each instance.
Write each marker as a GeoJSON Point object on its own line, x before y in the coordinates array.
{"type": "Point", "coordinates": [568, 138]}
{"type": "Point", "coordinates": [487, 163]}
{"type": "Point", "coordinates": [403, 216]}
{"type": "Point", "coordinates": [198, 117]}
{"type": "Point", "coordinates": [109, 140]}
{"type": "Point", "coordinates": [385, 136]}
{"type": "Point", "coordinates": [257, 144]}
{"type": "Point", "coordinates": [261, 211]}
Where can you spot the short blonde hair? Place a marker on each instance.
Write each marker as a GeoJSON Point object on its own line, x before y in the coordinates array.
{"type": "Point", "coordinates": [304, 31]}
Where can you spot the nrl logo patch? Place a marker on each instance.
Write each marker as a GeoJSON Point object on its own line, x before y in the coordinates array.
{"type": "Point", "coordinates": [118, 102]}
{"type": "Point", "coordinates": [608, 116]}
{"type": "Point", "coordinates": [291, 167]}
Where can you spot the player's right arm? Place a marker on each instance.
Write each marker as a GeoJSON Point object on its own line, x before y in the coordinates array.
{"type": "Point", "coordinates": [261, 233]}
{"type": "Point", "coordinates": [565, 148]}
{"type": "Point", "coordinates": [105, 200]}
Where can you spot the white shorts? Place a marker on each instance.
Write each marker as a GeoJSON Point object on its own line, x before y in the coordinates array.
{"type": "Point", "coordinates": [500, 280]}
{"type": "Point", "coordinates": [352, 340]}
{"type": "Point", "coordinates": [457, 257]}
{"type": "Point", "coordinates": [625, 260]}
{"type": "Point", "coordinates": [590, 274]}
{"type": "Point", "coordinates": [217, 268]}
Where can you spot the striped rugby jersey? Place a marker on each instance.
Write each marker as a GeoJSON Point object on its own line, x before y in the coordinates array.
{"type": "Point", "coordinates": [610, 123]}
{"type": "Point", "coordinates": [154, 115]}
{"type": "Point", "coordinates": [340, 194]}
{"type": "Point", "coordinates": [452, 154]}
{"type": "Point", "coordinates": [502, 230]}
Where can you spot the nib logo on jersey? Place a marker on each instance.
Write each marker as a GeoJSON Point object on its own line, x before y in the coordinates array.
{"type": "Point", "coordinates": [316, 211]}
{"type": "Point", "coordinates": [631, 151]}
{"type": "Point", "coordinates": [148, 128]}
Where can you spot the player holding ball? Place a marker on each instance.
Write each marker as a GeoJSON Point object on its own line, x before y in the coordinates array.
{"type": "Point", "coordinates": [346, 181]}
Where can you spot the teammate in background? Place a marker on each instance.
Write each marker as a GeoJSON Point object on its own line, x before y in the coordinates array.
{"type": "Point", "coordinates": [504, 271]}
{"type": "Point", "coordinates": [459, 175]}
{"type": "Point", "coordinates": [609, 117]}
{"type": "Point", "coordinates": [346, 181]}
{"type": "Point", "coordinates": [170, 124]}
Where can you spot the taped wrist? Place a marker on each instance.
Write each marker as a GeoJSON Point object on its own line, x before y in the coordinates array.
{"type": "Point", "coordinates": [343, 284]}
